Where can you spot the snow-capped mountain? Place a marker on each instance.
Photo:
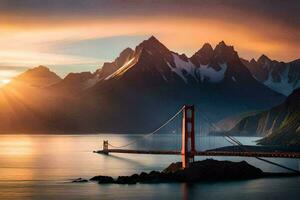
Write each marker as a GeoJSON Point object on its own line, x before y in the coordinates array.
{"type": "Point", "coordinates": [208, 65]}
{"type": "Point", "coordinates": [143, 87]}
{"type": "Point", "coordinates": [279, 76]}
{"type": "Point", "coordinates": [155, 81]}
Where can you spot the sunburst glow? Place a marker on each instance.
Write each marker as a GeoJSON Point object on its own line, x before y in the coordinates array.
{"type": "Point", "coordinates": [5, 81]}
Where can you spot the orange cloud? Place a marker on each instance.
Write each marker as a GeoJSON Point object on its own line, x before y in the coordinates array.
{"type": "Point", "coordinates": [27, 43]}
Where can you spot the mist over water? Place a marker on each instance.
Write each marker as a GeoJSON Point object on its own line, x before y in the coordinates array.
{"type": "Point", "coordinates": [42, 167]}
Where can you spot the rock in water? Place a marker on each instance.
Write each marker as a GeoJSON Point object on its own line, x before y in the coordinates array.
{"type": "Point", "coordinates": [214, 170]}
{"type": "Point", "coordinates": [103, 179]}
{"type": "Point", "coordinates": [205, 170]}
{"type": "Point", "coordinates": [79, 180]}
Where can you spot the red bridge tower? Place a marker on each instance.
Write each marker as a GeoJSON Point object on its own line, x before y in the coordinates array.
{"type": "Point", "coordinates": [188, 136]}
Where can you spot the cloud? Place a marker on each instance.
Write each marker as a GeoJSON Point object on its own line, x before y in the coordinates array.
{"type": "Point", "coordinates": [276, 10]}
{"type": "Point", "coordinates": [25, 58]}
{"type": "Point", "coordinates": [10, 59]}
{"type": "Point", "coordinates": [73, 33]}
{"type": "Point", "coordinates": [104, 47]}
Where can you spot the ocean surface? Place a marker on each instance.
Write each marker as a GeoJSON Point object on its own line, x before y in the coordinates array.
{"type": "Point", "coordinates": [43, 166]}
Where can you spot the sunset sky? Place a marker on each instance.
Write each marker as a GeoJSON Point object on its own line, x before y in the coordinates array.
{"type": "Point", "coordinates": [79, 35]}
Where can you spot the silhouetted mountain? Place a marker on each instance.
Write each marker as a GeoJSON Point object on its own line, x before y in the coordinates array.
{"type": "Point", "coordinates": [280, 124]}
{"type": "Point", "coordinates": [204, 56]}
{"type": "Point", "coordinates": [279, 76]}
{"type": "Point", "coordinates": [75, 82]}
{"type": "Point", "coordinates": [142, 88]}
{"type": "Point", "coordinates": [288, 132]}
{"type": "Point", "coordinates": [39, 76]}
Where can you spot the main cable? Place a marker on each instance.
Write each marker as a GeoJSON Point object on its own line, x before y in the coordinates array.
{"type": "Point", "coordinates": [151, 133]}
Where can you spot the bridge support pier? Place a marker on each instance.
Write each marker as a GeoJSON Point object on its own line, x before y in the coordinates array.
{"type": "Point", "coordinates": [188, 136]}
{"type": "Point", "coordinates": [105, 147]}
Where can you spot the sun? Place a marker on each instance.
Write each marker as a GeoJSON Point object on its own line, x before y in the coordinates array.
{"type": "Point", "coordinates": [5, 81]}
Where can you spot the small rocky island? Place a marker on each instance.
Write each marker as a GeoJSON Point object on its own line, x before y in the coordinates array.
{"type": "Point", "coordinates": [206, 170]}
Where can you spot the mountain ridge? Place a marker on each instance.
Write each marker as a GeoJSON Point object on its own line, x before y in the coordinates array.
{"type": "Point", "coordinates": [147, 84]}
{"type": "Point", "coordinates": [279, 121]}
{"type": "Point", "coordinates": [283, 77]}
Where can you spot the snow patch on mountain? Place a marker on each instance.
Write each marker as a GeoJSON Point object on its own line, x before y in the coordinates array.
{"type": "Point", "coordinates": [207, 72]}
{"type": "Point", "coordinates": [177, 71]}
{"type": "Point", "coordinates": [284, 86]}
{"type": "Point", "coordinates": [183, 67]}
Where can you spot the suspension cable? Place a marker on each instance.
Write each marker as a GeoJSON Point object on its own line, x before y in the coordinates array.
{"type": "Point", "coordinates": [234, 141]}
{"type": "Point", "coordinates": [227, 137]}
{"type": "Point", "coordinates": [149, 134]}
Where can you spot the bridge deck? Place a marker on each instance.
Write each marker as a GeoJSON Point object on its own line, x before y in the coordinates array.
{"type": "Point", "coordinates": [208, 153]}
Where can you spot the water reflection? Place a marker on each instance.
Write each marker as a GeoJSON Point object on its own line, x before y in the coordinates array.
{"type": "Point", "coordinates": [186, 191]}
{"type": "Point", "coordinates": [49, 160]}
{"type": "Point", "coordinates": [16, 146]}
{"type": "Point", "coordinates": [59, 157]}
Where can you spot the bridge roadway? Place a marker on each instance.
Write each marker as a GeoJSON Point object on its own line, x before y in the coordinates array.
{"type": "Point", "coordinates": [208, 153]}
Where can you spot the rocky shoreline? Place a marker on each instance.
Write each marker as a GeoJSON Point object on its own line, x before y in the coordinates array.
{"type": "Point", "coordinates": [206, 170]}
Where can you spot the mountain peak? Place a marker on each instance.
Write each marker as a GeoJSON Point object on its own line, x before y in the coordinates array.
{"type": "Point", "coordinates": [152, 38]}
{"type": "Point", "coordinates": [110, 67]}
{"type": "Point", "coordinates": [151, 43]}
{"type": "Point", "coordinates": [38, 76]}
{"type": "Point", "coordinates": [204, 55]}
{"type": "Point", "coordinates": [126, 51]}
{"type": "Point", "coordinates": [206, 47]}
{"type": "Point", "coordinates": [123, 57]}
{"type": "Point", "coordinates": [253, 61]}
{"type": "Point", "coordinates": [153, 47]}
{"type": "Point", "coordinates": [222, 46]}
{"type": "Point", "coordinates": [38, 72]}
{"type": "Point", "coordinates": [222, 43]}
{"type": "Point", "coordinates": [42, 67]}
{"type": "Point", "coordinates": [225, 52]}
{"type": "Point", "coordinates": [263, 58]}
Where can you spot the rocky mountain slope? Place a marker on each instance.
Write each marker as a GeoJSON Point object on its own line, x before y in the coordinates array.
{"type": "Point", "coordinates": [280, 124]}
{"type": "Point", "coordinates": [279, 76]}
{"type": "Point", "coordinates": [288, 133]}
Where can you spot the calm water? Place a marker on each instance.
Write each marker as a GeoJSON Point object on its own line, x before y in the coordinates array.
{"type": "Point", "coordinates": [41, 167]}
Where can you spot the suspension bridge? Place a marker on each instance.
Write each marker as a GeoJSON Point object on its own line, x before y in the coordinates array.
{"type": "Point", "coordinates": [188, 144]}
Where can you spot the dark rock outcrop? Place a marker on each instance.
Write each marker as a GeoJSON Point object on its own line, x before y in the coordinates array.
{"type": "Point", "coordinates": [103, 179]}
{"type": "Point", "coordinates": [207, 170]}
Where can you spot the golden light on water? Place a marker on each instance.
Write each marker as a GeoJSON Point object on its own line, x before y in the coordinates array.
{"type": "Point", "coordinates": [16, 146]}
